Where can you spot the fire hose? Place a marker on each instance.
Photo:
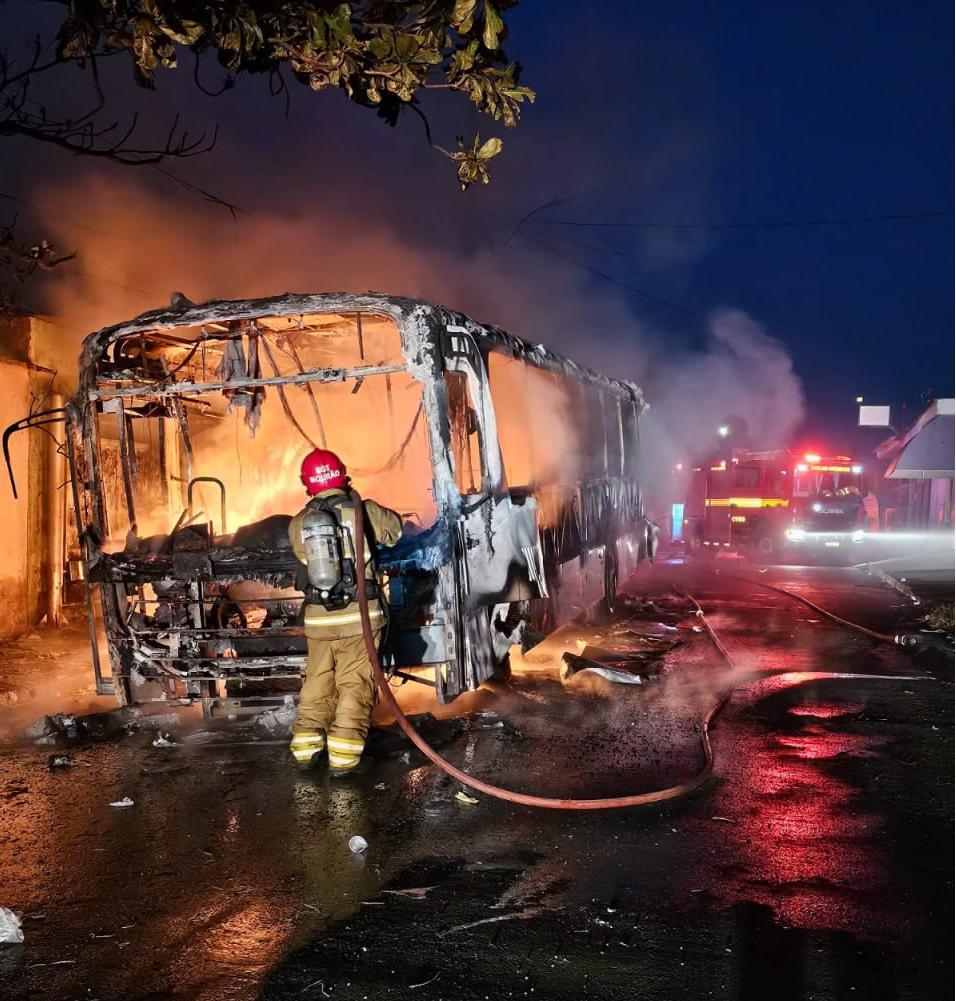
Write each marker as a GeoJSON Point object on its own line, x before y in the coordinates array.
{"type": "Point", "coordinates": [881, 637]}
{"type": "Point", "coordinates": [525, 799]}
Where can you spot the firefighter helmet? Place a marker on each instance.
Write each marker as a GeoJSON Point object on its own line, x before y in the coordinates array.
{"type": "Point", "coordinates": [322, 470]}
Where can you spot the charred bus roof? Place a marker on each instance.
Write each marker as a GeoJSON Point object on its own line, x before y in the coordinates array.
{"type": "Point", "coordinates": [417, 318]}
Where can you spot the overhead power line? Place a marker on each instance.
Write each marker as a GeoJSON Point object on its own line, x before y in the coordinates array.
{"type": "Point", "coordinates": [600, 274]}
{"type": "Point", "coordinates": [762, 224]}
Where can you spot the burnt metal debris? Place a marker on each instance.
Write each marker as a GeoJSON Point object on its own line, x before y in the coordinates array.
{"type": "Point", "coordinates": [496, 557]}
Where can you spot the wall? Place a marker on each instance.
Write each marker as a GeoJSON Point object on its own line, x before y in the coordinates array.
{"type": "Point", "coordinates": [33, 364]}
{"type": "Point", "coordinates": [15, 514]}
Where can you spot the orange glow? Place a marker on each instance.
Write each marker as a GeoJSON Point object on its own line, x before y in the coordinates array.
{"type": "Point", "coordinates": [812, 457]}
{"type": "Point", "coordinates": [374, 424]}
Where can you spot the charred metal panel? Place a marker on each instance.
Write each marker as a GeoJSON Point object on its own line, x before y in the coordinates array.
{"type": "Point", "coordinates": [172, 606]}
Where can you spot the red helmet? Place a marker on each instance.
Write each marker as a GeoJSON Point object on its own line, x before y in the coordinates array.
{"type": "Point", "coordinates": [322, 470]}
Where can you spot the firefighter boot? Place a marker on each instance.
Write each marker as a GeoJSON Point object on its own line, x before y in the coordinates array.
{"type": "Point", "coordinates": [345, 754]}
{"type": "Point", "coordinates": [305, 746]}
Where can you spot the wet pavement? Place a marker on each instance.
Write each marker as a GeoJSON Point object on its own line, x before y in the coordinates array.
{"type": "Point", "coordinates": [816, 863]}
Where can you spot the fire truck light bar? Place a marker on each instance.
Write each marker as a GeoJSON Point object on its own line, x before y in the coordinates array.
{"type": "Point", "coordinates": [747, 502]}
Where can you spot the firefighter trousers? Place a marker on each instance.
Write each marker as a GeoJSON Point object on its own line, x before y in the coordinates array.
{"type": "Point", "coordinates": [337, 698]}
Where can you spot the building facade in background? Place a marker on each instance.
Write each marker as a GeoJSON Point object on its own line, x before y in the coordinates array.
{"type": "Point", "coordinates": [918, 480]}
{"type": "Point", "coordinates": [28, 551]}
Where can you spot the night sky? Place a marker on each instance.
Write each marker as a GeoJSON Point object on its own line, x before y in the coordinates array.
{"type": "Point", "coordinates": [670, 113]}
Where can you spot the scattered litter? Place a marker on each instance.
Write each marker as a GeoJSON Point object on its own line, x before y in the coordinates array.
{"type": "Point", "coordinates": [41, 728]}
{"type": "Point", "coordinates": [357, 844]}
{"type": "Point", "coordinates": [697, 629]}
{"type": "Point", "coordinates": [278, 720]}
{"type": "Point", "coordinates": [424, 983]}
{"type": "Point", "coordinates": [60, 761]}
{"type": "Point", "coordinates": [572, 665]}
{"type": "Point", "coordinates": [163, 741]}
{"type": "Point", "coordinates": [725, 820]}
{"type": "Point", "coordinates": [413, 892]}
{"type": "Point", "coordinates": [463, 797]}
{"type": "Point", "coordinates": [10, 931]}
{"type": "Point", "coordinates": [516, 915]}
{"type": "Point", "coordinates": [316, 983]}
{"type": "Point", "coordinates": [380, 785]}
{"type": "Point", "coordinates": [122, 804]}
{"type": "Point", "coordinates": [111, 723]}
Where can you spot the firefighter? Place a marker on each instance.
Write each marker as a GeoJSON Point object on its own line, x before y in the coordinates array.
{"type": "Point", "coordinates": [338, 690]}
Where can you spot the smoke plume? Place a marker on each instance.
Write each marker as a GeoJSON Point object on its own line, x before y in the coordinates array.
{"type": "Point", "coordinates": [742, 377]}
{"type": "Point", "coordinates": [138, 245]}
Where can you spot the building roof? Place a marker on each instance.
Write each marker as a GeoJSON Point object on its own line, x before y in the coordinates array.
{"type": "Point", "coordinates": [925, 450]}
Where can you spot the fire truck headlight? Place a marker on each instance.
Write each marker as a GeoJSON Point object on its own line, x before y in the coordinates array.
{"type": "Point", "coordinates": [796, 534]}
{"type": "Point", "coordinates": [817, 506]}
{"type": "Point", "coordinates": [856, 470]}
{"type": "Point", "coordinates": [858, 535]}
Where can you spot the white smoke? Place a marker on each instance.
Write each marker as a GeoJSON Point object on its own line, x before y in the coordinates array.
{"type": "Point", "coordinates": [743, 376]}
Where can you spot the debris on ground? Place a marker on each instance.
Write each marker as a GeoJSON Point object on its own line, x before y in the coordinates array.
{"type": "Point", "coordinates": [940, 617]}
{"type": "Point", "coordinates": [618, 673]}
{"type": "Point", "coordinates": [529, 912]}
{"type": "Point", "coordinates": [277, 721]}
{"type": "Point", "coordinates": [463, 797]}
{"type": "Point", "coordinates": [10, 931]}
{"type": "Point", "coordinates": [60, 761]}
{"type": "Point", "coordinates": [357, 844]}
{"type": "Point", "coordinates": [120, 722]}
{"type": "Point", "coordinates": [412, 892]}
{"type": "Point", "coordinates": [122, 804]}
{"type": "Point", "coordinates": [385, 741]}
{"type": "Point", "coordinates": [163, 741]}
{"type": "Point", "coordinates": [60, 724]}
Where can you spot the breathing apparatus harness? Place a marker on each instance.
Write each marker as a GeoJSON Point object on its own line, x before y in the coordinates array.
{"type": "Point", "coordinates": [331, 575]}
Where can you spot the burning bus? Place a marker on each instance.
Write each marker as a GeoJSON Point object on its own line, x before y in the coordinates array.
{"type": "Point", "coordinates": [514, 470]}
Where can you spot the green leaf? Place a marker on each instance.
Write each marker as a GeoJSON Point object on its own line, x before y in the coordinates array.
{"type": "Point", "coordinates": [490, 148]}
{"type": "Point", "coordinates": [463, 15]}
{"type": "Point", "coordinates": [493, 27]}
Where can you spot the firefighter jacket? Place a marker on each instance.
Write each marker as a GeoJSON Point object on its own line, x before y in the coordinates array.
{"type": "Point", "coordinates": [385, 527]}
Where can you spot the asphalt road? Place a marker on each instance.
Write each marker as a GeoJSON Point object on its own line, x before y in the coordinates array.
{"type": "Point", "coordinates": [815, 864]}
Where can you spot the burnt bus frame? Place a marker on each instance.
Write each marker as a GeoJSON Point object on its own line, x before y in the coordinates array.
{"type": "Point", "coordinates": [604, 515]}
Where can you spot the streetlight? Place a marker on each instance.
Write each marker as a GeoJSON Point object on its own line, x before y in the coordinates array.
{"type": "Point", "coordinates": [723, 430]}
{"type": "Point", "coordinates": [859, 399]}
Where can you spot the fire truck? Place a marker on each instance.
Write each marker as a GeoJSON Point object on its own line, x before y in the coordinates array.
{"type": "Point", "coordinates": [775, 503]}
